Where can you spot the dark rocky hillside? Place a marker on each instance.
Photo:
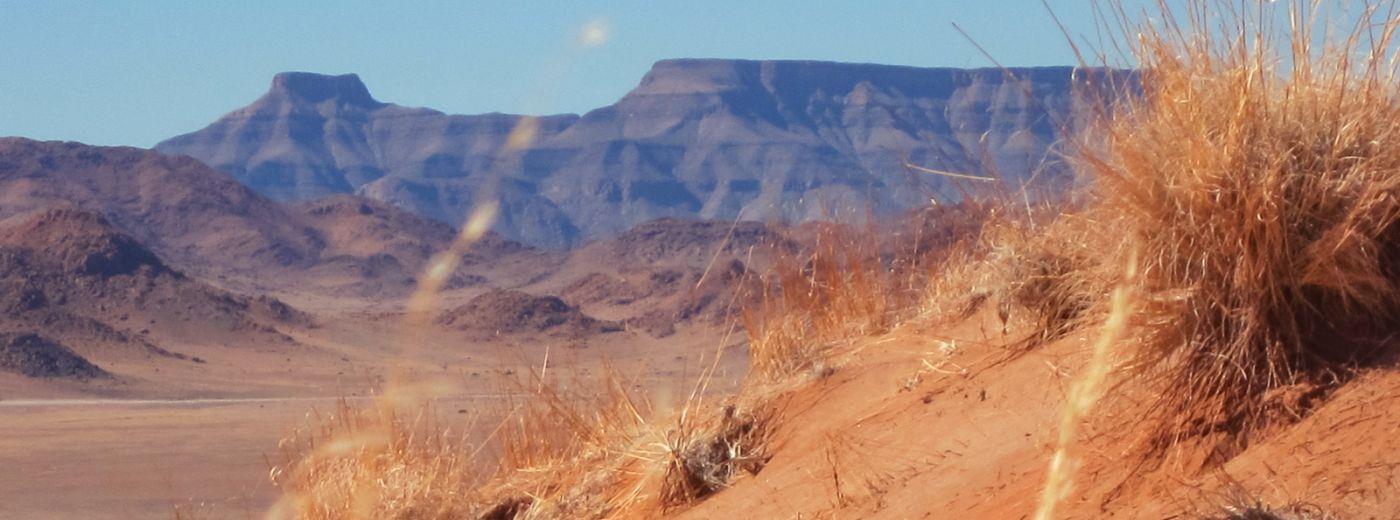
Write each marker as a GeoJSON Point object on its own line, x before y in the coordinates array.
{"type": "Point", "coordinates": [501, 311]}
{"type": "Point", "coordinates": [73, 278]}
{"type": "Point", "coordinates": [35, 356]}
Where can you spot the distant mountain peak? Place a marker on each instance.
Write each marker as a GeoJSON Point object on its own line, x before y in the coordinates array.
{"type": "Point", "coordinates": [315, 88]}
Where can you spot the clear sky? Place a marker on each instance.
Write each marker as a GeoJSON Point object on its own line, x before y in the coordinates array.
{"type": "Point", "coordinates": [136, 72]}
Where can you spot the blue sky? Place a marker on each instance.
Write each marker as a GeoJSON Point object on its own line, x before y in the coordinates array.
{"type": "Point", "coordinates": [133, 73]}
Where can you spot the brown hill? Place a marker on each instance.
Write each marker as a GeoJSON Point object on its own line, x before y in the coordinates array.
{"type": "Point", "coordinates": [668, 272]}
{"type": "Point", "coordinates": [202, 221]}
{"type": "Point", "coordinates": [676, 241]}
{"type": "Point", "coordinates": [80, 282]}
{"type": "Point", "coordinates": [183, 210]}
{"type": "Point", "coordinates": [371, 247]}
{"type": "Point", "coordinates": [359, 227]}
{"type": "Point", "coordinates": [501, 311]}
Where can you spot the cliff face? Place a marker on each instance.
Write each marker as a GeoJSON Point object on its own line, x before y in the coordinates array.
{"type": "Point", "coordinates": [714, 139]}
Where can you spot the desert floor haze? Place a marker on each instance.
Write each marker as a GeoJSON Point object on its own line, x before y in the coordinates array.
{"type": "Point", "coordinates": [1159, 282]}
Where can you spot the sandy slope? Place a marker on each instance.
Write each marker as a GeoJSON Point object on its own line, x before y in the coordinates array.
{"type": "Point", "coordinates": [950, 423]}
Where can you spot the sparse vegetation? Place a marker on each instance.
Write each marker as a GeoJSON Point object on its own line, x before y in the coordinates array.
{"type": "Point", "coordinates": [854, 282]}
{"type": "Point", "coordinates": [373, 462]}
{"type": "Point", "coordinates": [551, 453]}
{"type": "Point", "coordinates": [837, 290]}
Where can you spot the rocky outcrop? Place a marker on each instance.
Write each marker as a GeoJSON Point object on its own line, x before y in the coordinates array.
{"type": "Point", "coordinates": [32, 355]}
{"type": "Point", "coordinates": [501, 311]}
{"type": "Point", "coordinates": [79, 281]}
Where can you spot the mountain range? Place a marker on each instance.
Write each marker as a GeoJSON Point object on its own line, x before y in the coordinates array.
{"type": "Point", "coordinates": [318, 193]}
{"type": "Point", "coordinates": [139, 262]}
{"type": "Point", "coordinates": [789, 141]}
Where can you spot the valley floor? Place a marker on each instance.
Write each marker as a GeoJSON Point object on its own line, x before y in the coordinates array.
{"type": "Point", "coordinates": [86, 459]}
{"type": "Point", "coordinates": [201, 439]}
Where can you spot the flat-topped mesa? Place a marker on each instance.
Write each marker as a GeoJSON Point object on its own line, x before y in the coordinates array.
{"type": "Point", "coordinates": [315, 88]}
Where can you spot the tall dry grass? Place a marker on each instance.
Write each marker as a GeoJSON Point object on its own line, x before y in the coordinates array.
{"type": "Point", "coordinates": [835, 290]}
{"type": "Point", "coordinates": [556, 450]}
{"type": "Point", "coordinates": [1258, 173]}
{"type": "Point", "coordinates": [374, 462]}
{"type": "Point", "coordinates": [400, 460]}
{"type": "Point", "coordinates": [851, 281]}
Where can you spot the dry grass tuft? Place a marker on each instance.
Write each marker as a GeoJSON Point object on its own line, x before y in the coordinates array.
{"type": "Point", "coordinates": [838, 289]}
{"type": "Point", "coordinates": [1045, 273]}
{"type": "Point", "coordinates": [1238, 505]}
{"type": "Point", "coordinates": [1260, 511]}
{"type": "Point", "coordinates": [554, 453]}
{"type": "Point", "coordinates": [1258, 173]}
{"type": "Point", "coordinates": [563, 450]}
{"type": "Point", "coordinates": [703, 460]}
{"type": "Point", "coordinates": [1052, 274]}
{"type": "Point", "coordinates": [373, 463]}
{"type": "Point", "coordinates": [851, 282]}
{"type": "Point", "coordinates": [591, 452]}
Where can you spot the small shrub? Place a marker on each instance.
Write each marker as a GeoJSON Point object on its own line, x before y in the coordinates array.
{"type": "Point", "coordinates": [1238, 505]}
{"type": "Point", "coordinates": [702, 460]}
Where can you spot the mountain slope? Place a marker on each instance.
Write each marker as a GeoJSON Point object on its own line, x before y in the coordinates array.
{"type": "Point", "coordinates": [76, 279]}
{"type": "Point", "coordinates": [373, 248]}
{"type": "Point", "coordinates": [179, 207]}
{"type": "Point", "coordinates": [205, 223]}
{"type": "Point", "coordinates": [713, 139]}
